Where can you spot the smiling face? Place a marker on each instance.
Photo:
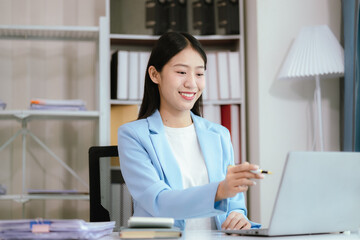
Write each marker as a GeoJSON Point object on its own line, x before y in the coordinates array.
{"type": "Point", "coordinates": [180, 82]}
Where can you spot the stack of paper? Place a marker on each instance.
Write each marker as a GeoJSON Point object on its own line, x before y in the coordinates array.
{"type": "Point", "coordinates": [2, 105]}
{"type": "Point", "coordinates": [52, 104]}
{"type": "Point", "coordinates": [54, 229]}
{"type": "Point", "coordinates": [150, 227]}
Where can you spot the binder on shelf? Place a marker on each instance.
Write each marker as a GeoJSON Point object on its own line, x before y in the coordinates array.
{"type": "Point", "coordinates": [122, 75]}
{"type": "Point", "coordinates": [228, 16]}
{"type": "Point", "coordinates": [177, 15]}
{"type": "Point", "coordinates": [157, 15]}
{"type": "Point", "coordinates": [223, 75]}
{"type": "Point", "coordinates": [235, 132]}
{"type": "Point", "coordinates": [230, 118]}
{"type": "Point", "coordinates": [211, 77]}
{"type": "Point", "coordinates": [143, 61]}
{"type": "Point", "coordinates": [234, 75]}
{"type": "Point", "coordinates": [225, 112]}
{"type": "Point", "coordinates": [113, 75]}
{"type": "Point", "coordinates": [204, 16]}
{"type": "Point", "coordinates": [133, 75]}
{"type": "Point", "coordinates": [212, 113]}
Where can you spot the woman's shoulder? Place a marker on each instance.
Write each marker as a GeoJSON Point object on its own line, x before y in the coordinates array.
{"type": "Point", "coordinates": [134, 125]}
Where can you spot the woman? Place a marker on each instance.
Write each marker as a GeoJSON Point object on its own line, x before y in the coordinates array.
{"type": "Point", "coordinates": [175, 163]}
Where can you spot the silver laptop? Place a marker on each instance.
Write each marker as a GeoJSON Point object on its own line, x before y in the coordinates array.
{"type": "Point", "coordinates": [319, 193]}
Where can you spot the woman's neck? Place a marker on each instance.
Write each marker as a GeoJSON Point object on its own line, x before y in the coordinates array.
{"type": "Point", "coordinates": [176, 120]}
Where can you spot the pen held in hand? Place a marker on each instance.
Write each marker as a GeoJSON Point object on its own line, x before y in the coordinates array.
{"type": "Point", "coordinates": [256, 171]}
{"type": "Point", "coordinates": [261, 171]}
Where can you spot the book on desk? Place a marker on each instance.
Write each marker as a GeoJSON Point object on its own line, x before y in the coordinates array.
{"type": "Point", "coordinates": [150, 227]}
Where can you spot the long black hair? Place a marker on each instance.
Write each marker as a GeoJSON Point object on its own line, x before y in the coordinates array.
{"type": "Point", "coordinates": [168, 45]}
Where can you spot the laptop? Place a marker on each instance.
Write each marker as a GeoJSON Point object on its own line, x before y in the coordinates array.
{"type": "Point", "coordinates": [319, 192]}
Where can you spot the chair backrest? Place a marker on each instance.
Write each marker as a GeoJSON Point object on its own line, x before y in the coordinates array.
{"type": "Point", "coordinates": [109, 198]}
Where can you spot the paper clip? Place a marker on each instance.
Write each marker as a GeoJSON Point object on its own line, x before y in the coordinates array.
{"type": "Point", "coordinates": [40, 226]}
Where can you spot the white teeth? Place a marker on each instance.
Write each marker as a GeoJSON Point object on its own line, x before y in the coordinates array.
{"type": "Point", "coordinates": [187, 94]}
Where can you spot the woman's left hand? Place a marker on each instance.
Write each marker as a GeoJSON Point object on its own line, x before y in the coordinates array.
{"type": "Point", "coordinates": [236, 221]}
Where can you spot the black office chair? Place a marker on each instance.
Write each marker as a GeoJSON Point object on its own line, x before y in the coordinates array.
{"type": "Point", "coordinates": [109, 198]}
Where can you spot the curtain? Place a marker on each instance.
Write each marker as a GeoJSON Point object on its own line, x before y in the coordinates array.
{"type": "Point", "coordinates": [351, 89]}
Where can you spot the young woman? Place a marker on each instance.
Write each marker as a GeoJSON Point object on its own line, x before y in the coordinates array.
{"type": "Point", "coordinates": [174, 162]}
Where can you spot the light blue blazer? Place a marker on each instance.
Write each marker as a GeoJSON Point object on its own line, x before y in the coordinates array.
{"type": "Point", "coordinates": [153, 176]}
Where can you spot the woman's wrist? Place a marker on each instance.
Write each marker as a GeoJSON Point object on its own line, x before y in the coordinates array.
{"type": "Point", "coordinates": [219, 193]}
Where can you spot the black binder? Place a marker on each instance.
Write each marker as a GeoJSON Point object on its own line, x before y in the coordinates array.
{"type": "Point", "coordinates": [157, 16]}
{"type": "Point", "coordinates": [204, 16]}
{"type": "Point", "coordinates": [228, 15]}
{"type": "Point", "coordinates": [177, 15]}
{"type": "Point", "coordinates": [113, 75]}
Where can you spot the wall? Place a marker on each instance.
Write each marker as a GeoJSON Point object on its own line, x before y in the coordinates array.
{"type": "Point", "coordinates": [47, 69]}
{"type": "Point", "coordinates": [280, 113]}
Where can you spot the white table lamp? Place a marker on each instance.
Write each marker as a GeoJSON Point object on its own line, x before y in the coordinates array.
{"type": "Point", "coordinates": [315, 53]}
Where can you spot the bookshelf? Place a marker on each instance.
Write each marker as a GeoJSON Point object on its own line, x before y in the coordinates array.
{"type": "Point", "coordinates": [125, 37]}
{"type": "Point", "coordinates": [97, 35]}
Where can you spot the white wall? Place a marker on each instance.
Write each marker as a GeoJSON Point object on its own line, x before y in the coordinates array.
{"type": "Point", "coordinates": [280, 113]}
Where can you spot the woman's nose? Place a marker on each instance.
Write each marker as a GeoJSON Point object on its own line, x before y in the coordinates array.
{"type": "Point", "coordinates": [190, 81]}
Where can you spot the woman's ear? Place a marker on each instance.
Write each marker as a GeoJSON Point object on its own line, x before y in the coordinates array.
{"type": "Point", "coordinates": [154, 74]}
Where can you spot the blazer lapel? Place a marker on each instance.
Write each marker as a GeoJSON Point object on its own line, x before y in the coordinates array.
{"type": "Point", "coordinates": [163, 151]}
{"type": "Point", "coordinates": [210, 145]}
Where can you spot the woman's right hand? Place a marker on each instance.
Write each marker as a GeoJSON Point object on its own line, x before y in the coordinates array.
{"type": "Point", "coordinates": [237, 180]}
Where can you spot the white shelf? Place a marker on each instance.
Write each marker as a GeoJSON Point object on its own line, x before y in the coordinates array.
{"type": "Point", "coordinates": [222, 102]}
{"type": "Point", "coordinates": [45, 114]}
{"type": "Point", "coordinates": [56, 33]}
{"type": "Point", "coordinates": [205, 102]}
{"type": "Point", "coordinates": [152, 37]}
{"type": "Point", "coordinates": [34, 32]}
{"type": "Point", "coordinates": [134, 39]}
{"type": "Point", "coordinates": [22, 198]}
{"type": "Point", "coordinates": [125, 102]}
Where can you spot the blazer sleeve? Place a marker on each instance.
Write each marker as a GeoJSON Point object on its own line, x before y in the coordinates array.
{"type": "Point", "coordinates": [236, 203]}
{"type": "Point", "coordinates": [148, 185]}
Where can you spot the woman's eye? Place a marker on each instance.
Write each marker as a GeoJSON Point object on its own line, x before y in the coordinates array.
{"type": "Point", "coordinates": [200, 74]}
{"type": "Point", "coordinates": [181, 72]}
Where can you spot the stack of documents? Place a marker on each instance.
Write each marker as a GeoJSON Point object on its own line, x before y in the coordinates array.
{"type": "Point", "coordinates": [54, 229]}
{"type": "Point", "coordinates": [150, 227]}
{"type": "Point", "coordinates": [52, 104]}
{"type": "Point", "coordinates": [2, 105]}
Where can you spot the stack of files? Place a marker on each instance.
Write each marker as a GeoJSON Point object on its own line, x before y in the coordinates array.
{"type": "Point", "coordinates": [128, 70]}
{"type": "Point", "coordinates": [223, 76]}
{"type": "Point", "coordinates": [2, 105]}
{"type": "Point", "coordinates": [150, 227]}
{"type": "Point", "coordinates": [62, 104]}
{"type": "Point", "coordinates": [54, 229]}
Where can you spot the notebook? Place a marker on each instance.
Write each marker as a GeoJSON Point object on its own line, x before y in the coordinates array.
{"type": "Point", "coordinates": [319, 192]}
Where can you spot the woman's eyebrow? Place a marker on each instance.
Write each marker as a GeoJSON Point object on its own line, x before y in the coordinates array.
{"type": "Point", "coordinates": [184, 65]}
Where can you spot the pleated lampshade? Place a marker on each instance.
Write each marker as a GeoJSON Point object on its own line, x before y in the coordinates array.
{"type": "Point", "coordinates": [315, 52]}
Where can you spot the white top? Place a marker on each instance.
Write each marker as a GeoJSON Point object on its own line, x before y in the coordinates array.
{"type": "Point", "coordinates": [187, 152]}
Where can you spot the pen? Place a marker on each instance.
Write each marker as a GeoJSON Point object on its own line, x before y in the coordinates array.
{"type": "Point", "coordinates": [261, 171]}
{"type": "Point", "coordinates": [257, 170]}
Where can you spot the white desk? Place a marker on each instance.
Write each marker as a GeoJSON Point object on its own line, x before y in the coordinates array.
{"type": "Point", "coordinates": [211, 235]}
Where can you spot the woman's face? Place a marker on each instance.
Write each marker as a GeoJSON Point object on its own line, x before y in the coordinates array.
{"type": "Point", "coordinates": [181, 81]}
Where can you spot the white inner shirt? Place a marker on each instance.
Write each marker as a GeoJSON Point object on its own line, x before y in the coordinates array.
{"type": "Point", "coordinates": [186, 149]}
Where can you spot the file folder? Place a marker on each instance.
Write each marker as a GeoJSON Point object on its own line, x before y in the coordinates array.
{"type": "Point", "coordinates": [177, 15]}
{"type": "Point", "coordinates": [156, 16]}
{"type": "Point", "coordinates": [228, 16]}
{"type": "Point", "coordinates": [204, 16]}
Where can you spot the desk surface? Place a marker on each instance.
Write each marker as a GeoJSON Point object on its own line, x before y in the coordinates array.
{"type": "Point", "coordinates": [211, 235]}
